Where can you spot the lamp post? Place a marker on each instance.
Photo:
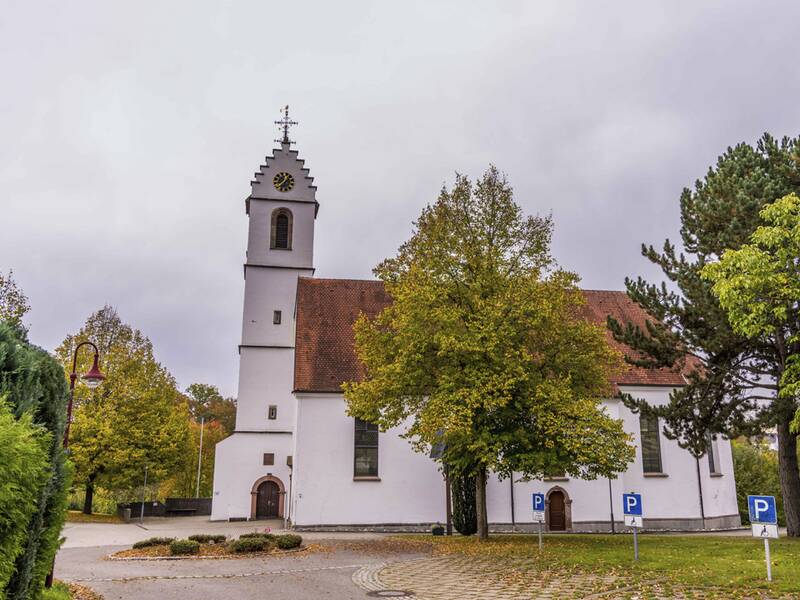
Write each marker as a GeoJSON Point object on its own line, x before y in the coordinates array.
{"type": "Point", "coordinates": [93, 377]}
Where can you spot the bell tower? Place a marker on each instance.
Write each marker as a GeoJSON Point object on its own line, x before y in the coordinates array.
{"type": "Point", "coordinates": [252, 470]}
{"type": "Point", "coordinates": [282, 208]}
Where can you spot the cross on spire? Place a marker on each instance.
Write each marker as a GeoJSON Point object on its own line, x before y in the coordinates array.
{"type": "Point", "coordinates": [284, 124]}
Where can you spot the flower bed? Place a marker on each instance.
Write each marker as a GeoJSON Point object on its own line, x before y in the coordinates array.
{"type": "Point", "coordinates": [212, 546]}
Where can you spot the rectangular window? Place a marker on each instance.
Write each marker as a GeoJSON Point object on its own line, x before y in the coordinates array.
{"type": "Point", "coordinates": [276, 317]}
{"type": "Point", "coordinates": [713, 456]}
{"type": "Point", "coordinates": [651, 444]}
{"type": "Point", "coordinates": [272, 413]}
{"type": "Point", "coordinates": [269, 459]}
{"type": "Point", "coordinates": [366, 449]}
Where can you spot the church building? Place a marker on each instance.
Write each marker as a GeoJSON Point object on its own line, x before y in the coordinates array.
{"type": "Point", "coordinates": [296, 455]}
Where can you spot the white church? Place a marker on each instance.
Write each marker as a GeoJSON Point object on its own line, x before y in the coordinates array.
{"type": "Point", "coordinates": [296, 455]}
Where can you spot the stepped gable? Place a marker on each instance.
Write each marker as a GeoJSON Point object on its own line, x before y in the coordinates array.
{"type": "Point", "coordinates": [327, 308]}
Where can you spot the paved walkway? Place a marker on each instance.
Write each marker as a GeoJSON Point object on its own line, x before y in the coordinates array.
{"type": "Point", "coordinates": [86, 535]}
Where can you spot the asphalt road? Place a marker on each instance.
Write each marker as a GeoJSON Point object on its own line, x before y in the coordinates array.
{"type": "Point", "coordinates": [320, 575]}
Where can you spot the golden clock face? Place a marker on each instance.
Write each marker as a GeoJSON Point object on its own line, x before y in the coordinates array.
{"type": "Point", "coordinates": [283, 182]}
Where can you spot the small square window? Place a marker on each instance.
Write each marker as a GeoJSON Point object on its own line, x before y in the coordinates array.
{"type": "Point", "coordinates": [276, 317]}
{"type": "Point", "coordinates": [272, 413]}
{"type": "Point", "coordinates": [269, 459]}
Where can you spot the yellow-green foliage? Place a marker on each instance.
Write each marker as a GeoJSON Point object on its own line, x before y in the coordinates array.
{"type": "Point", "coordinates": [23, 468]}
{"type": "Point", "coordinates": [484, 346]}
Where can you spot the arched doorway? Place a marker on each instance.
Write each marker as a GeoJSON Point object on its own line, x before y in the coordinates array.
{"type": "Point", "coordinates": [267, 498]}
{"type": "Point", "coordinates": [558, 511]}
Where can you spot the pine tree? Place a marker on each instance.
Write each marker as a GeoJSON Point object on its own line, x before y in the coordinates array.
{"type": "Point", "coordinates": [733, 381]}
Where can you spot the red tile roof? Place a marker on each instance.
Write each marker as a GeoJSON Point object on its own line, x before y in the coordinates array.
{"type": "Point", "coordinates": [327, 308]}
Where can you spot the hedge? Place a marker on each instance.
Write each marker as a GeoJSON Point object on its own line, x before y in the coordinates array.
{"type": "Point", "coordinates": [153, 541]}
{"type": "Point", "coordinates": [23, 456]}
{"type": "Point", "coordinates": [465, 515]}
{"type": "Point", "coordinates": [181, 547]}
{"type": "Point", "coordinates": [258, 535]}
{"type": "Point", "coordinates": [288, 541]}
{"type": "Point", "coordinates": [249, 544]}
{"type": "Point", "coordinates": [33, 383]}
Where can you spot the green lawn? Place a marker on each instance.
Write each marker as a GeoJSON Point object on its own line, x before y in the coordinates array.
{"type": "Point", "coordinates": [59, 591]}
{"type": "Point", "coordinates": [733, 563]}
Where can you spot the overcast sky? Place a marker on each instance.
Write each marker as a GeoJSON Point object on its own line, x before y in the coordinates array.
{"type": "Point", "coordinates": [129, 132]}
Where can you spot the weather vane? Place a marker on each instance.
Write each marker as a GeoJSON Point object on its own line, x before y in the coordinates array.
{"type": "Point", "coordinates": [284, 124]}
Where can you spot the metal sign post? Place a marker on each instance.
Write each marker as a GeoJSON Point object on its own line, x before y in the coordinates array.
{"type": "Point", "coordinates": [538, 514]}
{"type": "Point", "coordinates": [632, 509]}
{"type": "Point", "coordinates": [764, 522]}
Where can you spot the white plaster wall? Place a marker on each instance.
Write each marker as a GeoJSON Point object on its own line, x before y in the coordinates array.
{"type": "Point", "coordinates": [265, 377]}
{"type": "Point", "coordinates": [258, 250]}
{"type": "Point", "coordinates": [268, 290]}
{"type": "Point", "coordinates": [677, 494]}
{"type": "Point", "coordinates": [411, 490]}
{"type": "Point", "coordinates": [239, 464]}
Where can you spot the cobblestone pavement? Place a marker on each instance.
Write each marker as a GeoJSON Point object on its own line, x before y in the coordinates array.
{"type": "Point", "coordinates": [458, 577]}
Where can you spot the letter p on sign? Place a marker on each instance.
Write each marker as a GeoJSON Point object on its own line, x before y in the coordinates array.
{"type": "Point", "coordinates": [762, 509]}
{"type": "Point", "coordinates": [632, 504]}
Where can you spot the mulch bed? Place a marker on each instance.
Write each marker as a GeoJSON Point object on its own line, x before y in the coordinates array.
{"type": "Point", "coordinates": [81, 592]}
{"type": "Point", "coordinates": [208, 551]}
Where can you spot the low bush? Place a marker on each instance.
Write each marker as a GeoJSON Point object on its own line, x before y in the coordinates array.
{"type": "Point", "coordinates": [288, 541]}
{"type": "Point", "coordinates": [182, 547]}
{"type": "Point", "coordinates": [257, 535]}
{"type": "Point", "coordinates": [153, 541]}
{"type": "Point", "coordinates": [207, 538]}
{"type": "Point", "coordinates": [249, 544]}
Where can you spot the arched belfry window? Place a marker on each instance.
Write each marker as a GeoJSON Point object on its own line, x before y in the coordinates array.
{"type": "Point", "coordinates": [281, 230]}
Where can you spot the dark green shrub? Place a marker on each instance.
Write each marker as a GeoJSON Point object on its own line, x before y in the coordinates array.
{"type": "Point", "coordinates": [207, 538]}
{"type": "Point", "coordinates": [249, 544]}
{"type": "Point", "coordinates": [257, 535]}
{"type": "Point", "coordinates": [24, 460]}
{"type": "Point", "coordinates": [182, 547]}
{"type": "Point", "coordinates": [465, 515]}
{"type": "Point", "coordinates": [154, 541]}
{"type": "Point", "coordinates": [33, 383]}
{"type": "Point", "coordinates": [288, 541]}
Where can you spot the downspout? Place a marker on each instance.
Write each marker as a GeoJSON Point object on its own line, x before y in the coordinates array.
{"type": "Point", "coordinates": [513, 519]}
{"type": "Point", "coordinates": [700, 493]}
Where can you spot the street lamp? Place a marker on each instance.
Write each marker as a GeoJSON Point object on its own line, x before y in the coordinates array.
{"type": "Point", "coordinates": [93, 377]}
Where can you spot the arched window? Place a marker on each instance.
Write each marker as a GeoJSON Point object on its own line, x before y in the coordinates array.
{"type": "Point", "coordinates": [281, 231]}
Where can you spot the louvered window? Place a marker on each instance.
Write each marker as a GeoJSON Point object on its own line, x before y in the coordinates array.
{"type": "Point", "coordinates": [366, 449]}
{"type": "Point", "coordinates": [651, 444]}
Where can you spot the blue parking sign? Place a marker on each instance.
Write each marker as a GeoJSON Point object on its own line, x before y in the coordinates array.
{"type": "Point", "coordinates": [538, 502]}
{"type": "Point", "coordinates": [632, 504]}
{"type": "Point", "coordinates": [762, 509]}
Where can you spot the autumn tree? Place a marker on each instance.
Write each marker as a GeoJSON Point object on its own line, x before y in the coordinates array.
{"type": "Point", "coordinates": [734, 389]}
{"type": "Point", "coordinates": [758, 287]}
{"type": "Point", "coordinates": [136, 418]}
{"type": "Point", "coordinates": [13, 301]}
{"type": "Point", "coordinates": [206, 402]}
{"type": "Point", "coordinates": [184, 483]}
{"type": "Point", "coordinates": [484, 349]}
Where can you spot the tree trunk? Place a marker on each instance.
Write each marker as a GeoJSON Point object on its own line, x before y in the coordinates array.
{"type": "Point", "coordinates": [789, 476]}
{"type": "Point", "coordinates": [89, 496]}
{"type": "Point", "coordinates": [480, 503]}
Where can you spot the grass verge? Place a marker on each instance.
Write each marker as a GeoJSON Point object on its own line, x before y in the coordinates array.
{"type": "Point", "coordinates": [76, 516]}
{"type": "Point", "coordinates": [726, 563]}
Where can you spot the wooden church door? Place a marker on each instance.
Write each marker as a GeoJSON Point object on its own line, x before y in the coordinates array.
{"type": "Point", "coordinates": [558, 513]}
{"type": "Point", "coordinates": [267, 501]}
